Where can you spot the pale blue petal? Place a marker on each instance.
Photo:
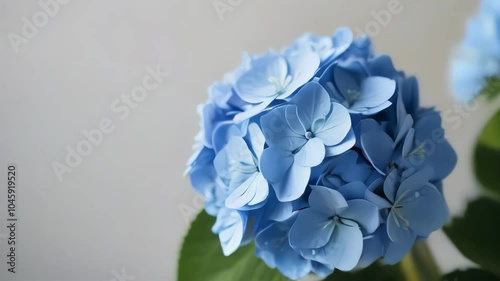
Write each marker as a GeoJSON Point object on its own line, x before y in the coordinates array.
{"type": "Point", "coordinates": [366, 214]}
{"type": "Point", "coordinates": [326, 200]}
{"type": "Point", "coordinates": [374, 92]}
{"type": "Point", "coordinates": [252, 111]}
{"type": "Point", "coordinates": [250, 193]}
{"type": "Point", "coordinates": [343, 251]}
{"type": "Point", "coordinates": [311, 230]}
{"type": "Point", "coordinates": [342, 39]}
{"type": "Point", "coordinates": [302, 66]}
{"type": "Point", "coordinates": [311, 154]}
{"type": "Point", "coordinates": [257, 140]}
{"type": "Point", "coordinates": [313, 103]}
{"type": "Point", "coordinates": [292, 264]}
{"type": "Point", "coordinates": [225, 130]}
{"type": "Point", "coordinates": [374, 110]}
{"type": "Point", "coordinates": [345, 145]}
{"type": "Point", "coordinates": [292, 118]}
{"type": "Point", "coordinates": [230, 225]}
{"type": "Point", "coordinates": [278, 133]}
{"type": "Point", "coordinates": [235, 162]}
{"type": "Point", "coordinates": [254, 86]}
{"type": "Point", "coordinates": [336, 126]}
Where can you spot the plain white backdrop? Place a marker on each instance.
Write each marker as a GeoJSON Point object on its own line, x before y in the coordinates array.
{"type": "Point", "coordinates": [119, 207]}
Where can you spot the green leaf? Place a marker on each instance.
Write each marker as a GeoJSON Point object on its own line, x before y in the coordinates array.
{"type": "Point", "coordinates": [202, 259]}
{"type": "Point", "coordinates": [470, 275]}
{"type": "Point", "coordinates": [487, 155]}
{"type": "Point", "coordinates": [476, 234]}
{"type": "Point", "coordinates": [375, 272]}
{"type": "Point", "coordinates": [491, 88]}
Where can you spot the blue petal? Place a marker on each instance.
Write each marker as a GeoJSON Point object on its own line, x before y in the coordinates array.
{"type": "Point", "coordinates": [274, 164]}
{"type": "Point", "coordinates": [391, 185]}
{"type": "Point", "coordinates": [277, 131]}
{"type": "Point", "coordinates": [254, 86]}
{"type": "Point", "coordinates": [382, 66]}
{"type": "Point", "coordinates": [225, 130]}
{"type": "Point", "coordinates": [273, 247]}
{"type": "Point", "coordinates": [374, 92]}
{"type": "Point", "coordinates": [395, 251]}
{"type": "Point", "coordinates": [342, 39]}
{"type": "Point", "coordinates": [398, 228]}
{"type": "Point", "coordinates": [345, 145]}
{"type": "Point", "coordinates": [252, 111]}
{"type": "Point", "coordinates": [322, 270]}
{"type": "Point", "coordinates": [366, 214]}
{"type": "Point", "coordinates": [311, 230]}
{"type": "Point", "coordinates": [343, 251]}
{"type": "Point", "coordinates": [313, 104]}
{"type": "Point", "coordinates": [378, 149]}
{"type": "Point", "coordinates": [235, 162]}
{"type": "Point", "coordinates": [353, 190]}
{"type": "Point", "coordinates": [311, 154]}
{"type": "Point", "coordinates": [279, 211]}
{"type": "Point", "coordinates": [250, 193]}
{"type": "Point", "coordinates": [257, 140]}
{"type": "Point", "coordinates": [326, 200]}
{"type": "Point", "coordinates": [413, 183]}
{"type": "Point", "coordinates": [294, 183]}
{"type": "Point", "coordinates": [427, 212]}
{"type": "Point", "coordinates": [230, 225]}
{"type": "Point", "coordinates": [292, 264]}
{"type": "Point", "coordinates": [336, 126]}
{"type": "Point", "coordinates": [373, 248]}
{"type": "Point", "coordinates": [302, 66]}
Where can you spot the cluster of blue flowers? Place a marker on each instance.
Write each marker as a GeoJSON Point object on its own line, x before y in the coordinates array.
{"type": "Point", "coordinates": [321, 154]}
{"type": "Point", "coordinates": [478, 57]}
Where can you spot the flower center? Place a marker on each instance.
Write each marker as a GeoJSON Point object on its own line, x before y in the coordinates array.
{"type": "Point", "coordinates": [280, 85]}
{"type": "Point", "coordinates": [309, 135]}
{"type": "Point", "coordinates": [419, 151]}
{"type": "Point", "coordinates": [352, 96]}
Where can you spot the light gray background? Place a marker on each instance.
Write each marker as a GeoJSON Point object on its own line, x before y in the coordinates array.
{"type": "Point", "coordinates": [121, 207]}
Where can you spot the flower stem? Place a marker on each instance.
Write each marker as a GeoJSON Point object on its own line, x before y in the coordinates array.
{"type": "Point", "coordinates": [419, 264]}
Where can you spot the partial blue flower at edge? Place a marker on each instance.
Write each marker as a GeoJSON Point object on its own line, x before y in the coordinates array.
{"type": "Point", "coordinates": [238, 165]}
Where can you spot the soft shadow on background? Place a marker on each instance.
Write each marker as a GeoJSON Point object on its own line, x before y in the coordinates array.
{"type": "Point", "coordinates": [125, 206]}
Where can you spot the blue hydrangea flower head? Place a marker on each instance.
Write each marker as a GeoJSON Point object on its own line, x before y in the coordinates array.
{"type": "Point", "coordinates": [322, 155]}
{"type": "Point", "coordinates": [478, 57]}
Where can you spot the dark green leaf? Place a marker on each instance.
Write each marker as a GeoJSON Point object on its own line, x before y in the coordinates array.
{"type": "Point", "coordinates": [470, 275]}
{"type": "Point", "coordinates": [476, 234]}
{"type": "Point", "coordinates": [202, 259]}
{"type": "Point", "coordinates": [375, 272]}
{"type": "Point", "coordinates": [487, 155]}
